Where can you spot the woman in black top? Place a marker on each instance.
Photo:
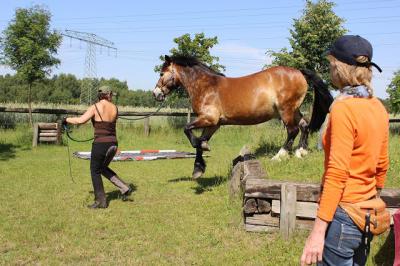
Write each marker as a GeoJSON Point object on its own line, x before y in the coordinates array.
{"type": "Point", "coordinates": [103, 115]}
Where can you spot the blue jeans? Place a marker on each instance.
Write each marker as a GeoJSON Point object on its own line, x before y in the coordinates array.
{"type": "Point", "coordinates": [344, 242]}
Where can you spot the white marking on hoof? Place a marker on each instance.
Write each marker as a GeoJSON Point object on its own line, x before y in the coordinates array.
{"type": "Point", "coordinates": [301, 152]}
{"type": "Point", "coordinates": [281, 154]}
{"type": "Point", "coordinates": [205, 146]}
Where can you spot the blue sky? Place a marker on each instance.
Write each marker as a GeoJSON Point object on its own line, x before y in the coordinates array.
{"type": "Point", "coordinates": [143, 30]}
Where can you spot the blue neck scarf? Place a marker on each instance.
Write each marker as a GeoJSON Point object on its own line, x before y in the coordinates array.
{"type": "Point", "coordinates": [356, 91]}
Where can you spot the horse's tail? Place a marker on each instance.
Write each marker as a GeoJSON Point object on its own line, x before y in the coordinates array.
{"type": "Point", "coordinates": [322, 99]}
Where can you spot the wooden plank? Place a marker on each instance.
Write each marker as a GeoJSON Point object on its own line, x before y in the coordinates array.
{"type": "Point", "coordinates": [309, 209]}
{"type": "Point", "coordinates": [271, 189]}
{"type": "Point", "coordinates": [262, 219]}
{"type": "Point", "coordinates": [42, 134]}
{"type": "Point", "coordinates": [188, 118]}
{"type": "Point", "coordinates": [287, 220]}
{"type": "Point", "coordinates": [253, 169]}
{"type": "Point", "coordinates": [146, 126]}
{"type": "Point", "coordinates": [303, 209]}
{"type": "Point", "coordinates": [391, 197]}
{"type": "Point", "coordinates": [35, 134]}
{"type": "Point", "coordinates": [266, 188]}
{"type": "Point", "coordinates": [234, 180]}
{"type": "Point", "coordinates": [263, 206]}
{"type": "Point", "coordinates": [48, 126]}
{"type": "Point", "coordinates": [48, 131]}
{"type": "Point", "coordinates": [47, 139]}
{"type": "Point", "coordinates": [259, 228]}
{"type": "Point", "coordinates": [271, 221]}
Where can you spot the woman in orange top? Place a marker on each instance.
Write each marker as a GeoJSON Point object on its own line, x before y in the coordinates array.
{"type": "Point", "coordinates": [356, 156]}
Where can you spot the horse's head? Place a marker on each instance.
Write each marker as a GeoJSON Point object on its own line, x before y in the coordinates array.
{"type": "Point", "coordinates": [168, 80]}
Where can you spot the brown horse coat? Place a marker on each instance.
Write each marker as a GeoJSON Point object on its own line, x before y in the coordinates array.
{"type": "Point", "coordinates": [217, 100]}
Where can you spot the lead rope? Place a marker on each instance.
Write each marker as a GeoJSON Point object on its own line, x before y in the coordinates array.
{"type": "Point", "coordinates": [143, 117]}
{"type": "Point", "coordinates": [69, 162]}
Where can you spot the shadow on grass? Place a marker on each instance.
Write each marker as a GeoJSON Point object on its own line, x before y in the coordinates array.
{"type": "Point", "coordinates": [207, 184]}
{"type": "Point", "coordinates": [385, 255]}
{"type": "Point", "coordinates": [204, 184]}
{"type": "Point", "coordinates": [7, 151]}
{"type": "Point", "coordinates": [116, 194]}
{"type": "Point", "coordinates": [181, 179]}
{"type": "Point", "coordinates": [267, 149]}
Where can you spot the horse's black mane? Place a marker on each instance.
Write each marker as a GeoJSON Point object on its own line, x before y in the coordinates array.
{"type": "Point", "coordinates": [189, 61]}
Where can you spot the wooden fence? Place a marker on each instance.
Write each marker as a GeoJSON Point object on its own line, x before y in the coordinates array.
{"type": "Point", "coordinates": [61, 112]}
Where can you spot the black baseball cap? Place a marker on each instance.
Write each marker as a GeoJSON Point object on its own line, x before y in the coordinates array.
{"type": "Point", "coordinates": [348, 47]}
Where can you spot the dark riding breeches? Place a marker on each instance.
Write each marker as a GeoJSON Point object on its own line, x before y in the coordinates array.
{"type": "Point", "coordinates": [101, 156]}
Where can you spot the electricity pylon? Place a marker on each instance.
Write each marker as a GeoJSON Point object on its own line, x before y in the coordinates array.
{"type": "Point", "coordinates": [88, 90]}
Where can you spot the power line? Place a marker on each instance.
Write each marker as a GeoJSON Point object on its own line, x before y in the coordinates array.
{"type": "Point", "coordinates": [92, 40]}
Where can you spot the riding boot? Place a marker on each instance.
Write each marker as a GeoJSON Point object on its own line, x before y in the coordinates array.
{"type": "Point", "coordinates": [100, 200]}
{"type": "Point", "coordinates": [126, 190]}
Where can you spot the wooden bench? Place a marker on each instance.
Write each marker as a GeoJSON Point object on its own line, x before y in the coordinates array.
{"type": "Point", "coordinates": [46, 133]}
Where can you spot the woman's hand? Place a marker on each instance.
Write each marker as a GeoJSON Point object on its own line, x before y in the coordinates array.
{"type": "Point", "coordinates": [312, 252]}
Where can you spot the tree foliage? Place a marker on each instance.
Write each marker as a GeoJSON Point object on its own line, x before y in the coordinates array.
{"type": "Point", "coordinates": [28, 45]}
{"type": "Point", "coordinates": [394, 93]}
{"type": "Point", "coordinates": [66, 89]}
{"type": "Point", "coordinates": [198, 47]}
{"type": "Point", "coordinates": [311, 36]}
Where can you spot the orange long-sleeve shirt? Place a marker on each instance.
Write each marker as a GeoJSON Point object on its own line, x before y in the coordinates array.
{"type": "Point", "coordinates": [356, 153]}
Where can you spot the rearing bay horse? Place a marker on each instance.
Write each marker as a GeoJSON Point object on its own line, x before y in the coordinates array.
{"type": "Point", "coordinates": [276, 92]}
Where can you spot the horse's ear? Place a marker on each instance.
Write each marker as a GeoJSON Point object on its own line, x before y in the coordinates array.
{"type": "Point", "coordinates": [167, 59]}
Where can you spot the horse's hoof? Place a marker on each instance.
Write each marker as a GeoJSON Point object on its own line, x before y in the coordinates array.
{"type": "Point", "coordinates": [280, 155]}
{"type": "Point", "coordinates": [276, 158]}
{"type": "Point", "coordinates": [204, 146]}
{"type": "Point", "coordinates": [197, 173]}
{"type": "Point", "coordinates": [300, 153]}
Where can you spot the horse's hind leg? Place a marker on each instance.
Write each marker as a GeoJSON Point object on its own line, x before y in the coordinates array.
{"type": "Point", "coordinates": [292, 131]}
{"type": "Point", "coordinates": [301, 150]}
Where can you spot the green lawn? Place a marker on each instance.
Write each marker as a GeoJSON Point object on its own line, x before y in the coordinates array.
{"type": "Point", "coordinates": [171, 219]}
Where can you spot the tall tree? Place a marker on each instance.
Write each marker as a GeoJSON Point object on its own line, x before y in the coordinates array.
{"type": "Point", "coordinates": [311, 36]}
{"type": "Point", "coordinates": [28, 46]}
{"type": "Point", "coordinates": [394, 93]}
{"type": "Point", "coordinates": [198, 47]}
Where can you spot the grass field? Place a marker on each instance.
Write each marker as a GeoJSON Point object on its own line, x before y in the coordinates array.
{"type": "Point", "coordinates": [171, 219]}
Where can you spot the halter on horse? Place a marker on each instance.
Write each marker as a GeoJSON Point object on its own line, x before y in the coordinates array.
{"type": "Point", "coordinates": [276, 92]}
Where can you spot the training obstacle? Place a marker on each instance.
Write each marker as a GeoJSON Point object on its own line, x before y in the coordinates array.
{"type": "Point", "coordinates": [141, 155]}
{"type": "Point", "coordinates": [46, 133]}
{"type": "Point", "coordinates": [272, 205]}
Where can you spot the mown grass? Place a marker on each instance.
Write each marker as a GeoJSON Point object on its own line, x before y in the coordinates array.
{"type": "Point", "coordinates": [171, 219]}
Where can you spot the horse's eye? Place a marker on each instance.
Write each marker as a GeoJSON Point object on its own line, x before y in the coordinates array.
{"type": "Point", "coordinates": [161, 74]}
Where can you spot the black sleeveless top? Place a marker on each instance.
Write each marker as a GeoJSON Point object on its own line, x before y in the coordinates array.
{"type": "Point", "coordinates": [104, 131]}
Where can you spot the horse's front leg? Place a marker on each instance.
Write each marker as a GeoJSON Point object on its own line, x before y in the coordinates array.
{"type": "Point", "coordinates": [198, 143]}
{"type": "Point", "coordinates": [200, 122]}
{"type": "Point", "coordinates": [206, 136]}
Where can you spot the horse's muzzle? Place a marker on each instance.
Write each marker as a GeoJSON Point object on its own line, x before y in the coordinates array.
{"type": "Point", "coordinates": [158, 94]}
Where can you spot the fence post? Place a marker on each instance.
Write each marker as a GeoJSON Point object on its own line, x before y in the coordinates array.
{"type": "Point", "coordinates": [35, 134]}
{"type": "Point", "coordinates": [189, 114]}
{"type": "Point", "coordinates": [147, 126]}
{"type": "Point", "coordinates": [287, 221]}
